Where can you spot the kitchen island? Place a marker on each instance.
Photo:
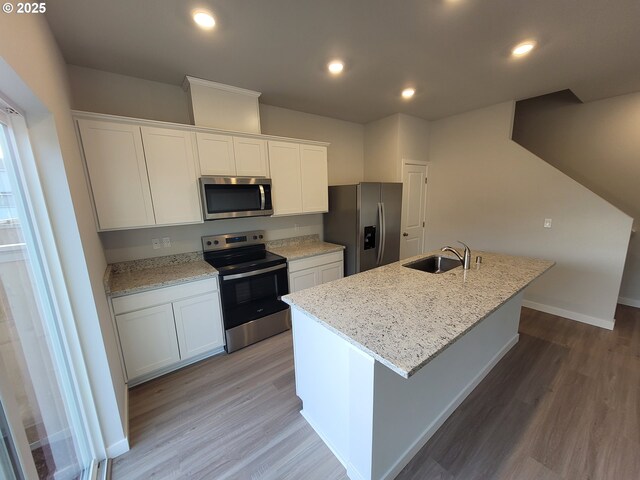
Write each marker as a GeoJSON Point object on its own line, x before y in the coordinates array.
{"type": "Point", "coordinates": [382, 358]}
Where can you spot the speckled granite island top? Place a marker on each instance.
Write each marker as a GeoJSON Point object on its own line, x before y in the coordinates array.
{"type": "Point", "coordinates": [297, 248]}
{"type": "Point", "coordinates": [136, 276]}
{"type": "Point", "coordinates": [404, 317]}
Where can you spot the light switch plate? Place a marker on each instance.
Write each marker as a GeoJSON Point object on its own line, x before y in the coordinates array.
{"type": "Point", "coordinates": [547, 223]}
{"type": "Point", "coordinates": [156, 243]}
{"type": "Point", "coordinates": [166, 241]}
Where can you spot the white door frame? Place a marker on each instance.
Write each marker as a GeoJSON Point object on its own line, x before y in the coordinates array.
{"type": "Point", "coordinates": [426, 164]}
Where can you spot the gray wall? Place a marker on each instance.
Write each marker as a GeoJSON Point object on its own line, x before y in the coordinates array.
{"type": "Point", "coordinates": [598, 145]}
{"type": "Point", "coordinates": [105, 92]}
{"type": "Point", "coordinates": [492, 193]}
{"type": "Point", "coordinates": [29, 49]}
{"type": "Point", "coordinates": [390, 140]}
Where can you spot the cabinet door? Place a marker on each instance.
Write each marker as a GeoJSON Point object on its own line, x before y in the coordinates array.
{"type": "Point", "coordinates": [303, 279]}
{"type": "Point", "coordinates": [198, 324]}
{"type": "Point", "coordinates": [172, 175]}
{"type": "Point", "coordinates": [148, 340]}
{"type": "Point", "coordinates": [251, 157]}
{"type": "Point", "coordinates": [215, 153]}
{"type": "Point", "coordinates": [330, 272]}
{"type": "Point", "coordinates": [315, 183]}
{"type": "Point", "coordinates": [286, 184]}
{"type": "Point", "coordinates": [117, 174]}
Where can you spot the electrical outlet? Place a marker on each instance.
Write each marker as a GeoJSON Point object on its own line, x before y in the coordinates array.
{"type": "Point", "coordinates": [156, 243]}
{"type": "Point", "coordinates": [547, 223]}
{"type": "Point", "coordinates": [166, 241]}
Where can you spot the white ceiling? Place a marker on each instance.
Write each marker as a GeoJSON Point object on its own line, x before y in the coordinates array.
{"type": "Point", "coordinates": [455, 52]}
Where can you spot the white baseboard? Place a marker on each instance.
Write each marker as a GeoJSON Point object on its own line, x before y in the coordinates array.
{"type": "Point", "coordinates": [118, 448]}
{"type": "Point", "coordinates": [446, 413]}
{"type": "Point", "coordinates": [631, 302]}
{"type": "Point", "coordinates": [578, 317]}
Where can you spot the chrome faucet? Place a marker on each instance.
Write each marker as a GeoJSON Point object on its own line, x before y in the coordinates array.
{"type": "Point", "coordinates": [465, 260]}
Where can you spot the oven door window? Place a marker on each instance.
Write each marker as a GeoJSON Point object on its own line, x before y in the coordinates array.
{"type": "Point", "coordinates": [249, 298]}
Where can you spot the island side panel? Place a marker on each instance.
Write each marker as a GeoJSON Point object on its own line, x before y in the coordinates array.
{"type": "Point", "coordinates": [334, 380]}
{"type": "Point", "coordinates": [407, 412]}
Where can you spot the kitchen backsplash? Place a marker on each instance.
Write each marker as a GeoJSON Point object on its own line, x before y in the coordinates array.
{"type": "Point", "coordinates": [126, 245]}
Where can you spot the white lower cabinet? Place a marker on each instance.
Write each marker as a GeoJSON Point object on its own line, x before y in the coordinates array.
{"type": "Point", "coordinates": [164, 329]}
{"type": "Point", "coordinates": [330, 272]}
{"type": "Point", "coordinates": [194, 317]}
{"type": "Point", "coordinates": [312, 271]}
{"type": "Point", "coordinates": [303, 279]}
{"type": "Point", "coordinates": [148, 340]}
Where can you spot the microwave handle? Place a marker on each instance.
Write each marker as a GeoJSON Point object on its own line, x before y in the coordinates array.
{"type": "Point", "coordinates": [262, 198]}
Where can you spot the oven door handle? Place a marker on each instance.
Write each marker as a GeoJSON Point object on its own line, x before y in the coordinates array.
{"type": "Point", "coordinates": [262, 197]}
{"type": "Point", "coordinates": [253, 273]}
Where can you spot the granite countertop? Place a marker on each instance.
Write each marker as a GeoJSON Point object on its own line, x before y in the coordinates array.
{"type": "Point", "coordinates": [136, 276]}
{"type": "Point", "coordinates": [297, 248]}
{"type": "Point", "coordinates": [405, 317]}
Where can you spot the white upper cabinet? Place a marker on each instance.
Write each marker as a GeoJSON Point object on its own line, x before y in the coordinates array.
{"type": "Point", "coordinates": [216, 154]}
{"type": "Point", "coordinates": [172, 175]}
{"type": "Point", "coordinates": [315, 194]}
{"type": "Point", "coordinates": [286, 180]}
{"type": "Point", "coordinates": [144, 173]}
{"type": "Point", "coordinates": [230, 156]}
{"type": "Point", "coordinates": [118, 174]}
{"type": "Point", "coordinates": [251, 157]}
{"type": "Point", "coordinates": [299, 178]}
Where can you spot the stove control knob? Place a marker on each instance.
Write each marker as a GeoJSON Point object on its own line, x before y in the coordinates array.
{"type": "Point", "coordinates": [261, 236]}
{"type": "Point", "coordinates": [255, 237]}
{"type": "Point", "coordinates": [216, 242]}
{"type": "Point", "coordinates": [209, 242]}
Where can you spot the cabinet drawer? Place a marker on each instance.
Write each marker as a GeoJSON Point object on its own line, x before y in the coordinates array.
{"type": "Point", "coordinates": [159, 296]}
{"type": "Point", "coordinates": [310, 262]}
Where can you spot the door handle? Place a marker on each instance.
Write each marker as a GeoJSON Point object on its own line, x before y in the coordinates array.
{"type": "Point", "coordinates": [405, 234]}
{"type": "Point", "coordinates": [381, 244]}
{"type": "Point", "coordinates": [262, 197]}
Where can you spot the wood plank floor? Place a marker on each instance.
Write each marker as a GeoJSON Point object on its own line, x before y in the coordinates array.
{"type": "Point", "coordinates": [564, 403]}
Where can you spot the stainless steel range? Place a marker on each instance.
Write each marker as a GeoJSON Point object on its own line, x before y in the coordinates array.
{"type": "Point", "coordinates": [252, 280]}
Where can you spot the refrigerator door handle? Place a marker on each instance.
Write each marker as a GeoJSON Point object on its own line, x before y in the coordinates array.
{"type": "Point", "coordinates": [383, 233]}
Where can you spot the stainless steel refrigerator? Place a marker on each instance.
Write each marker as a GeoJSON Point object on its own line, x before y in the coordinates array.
{"type": "Point", "coordinates": [366, 219]}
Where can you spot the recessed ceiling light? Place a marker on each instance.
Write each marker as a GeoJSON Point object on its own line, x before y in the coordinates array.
{"type": "Point", "coordinates": [523, 48]}
{"type": "Point", "coordinates": [336, 67]}
{"type": "Point", "coordinates": [408, 92]}
{"type": "Point", "coordinates": [204, 19]}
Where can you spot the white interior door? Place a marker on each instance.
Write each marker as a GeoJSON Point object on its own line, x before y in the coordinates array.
{"type": "Point", "coordinates": [414, 193]}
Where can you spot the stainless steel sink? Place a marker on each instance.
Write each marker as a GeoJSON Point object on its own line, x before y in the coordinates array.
{"type": "Point", "coordinates": [434, 264]}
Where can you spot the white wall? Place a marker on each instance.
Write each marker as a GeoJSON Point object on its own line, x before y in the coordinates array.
{"type": "Point", "coordinates": [106, 92]}
{"type": "Point", "coordinates": [390, 140]}
{"type": "Point", "coordinates": [490, 192]}
{"type": "Point", "coordinates": [134, 244]}
{"type": "Point", "coordinates": [346, 152]}
{"type": "Point", "coordinates": [381, 149]}
{"type": "Point", "coordinates": [630, 289]}
{"type": "Point", "coordinates": [29, 50]}
{"type": "Point", "coordinates": [597, 144]}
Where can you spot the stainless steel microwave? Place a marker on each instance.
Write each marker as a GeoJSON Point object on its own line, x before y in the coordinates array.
{"type": "Point", "coordinates": [232, 197]}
